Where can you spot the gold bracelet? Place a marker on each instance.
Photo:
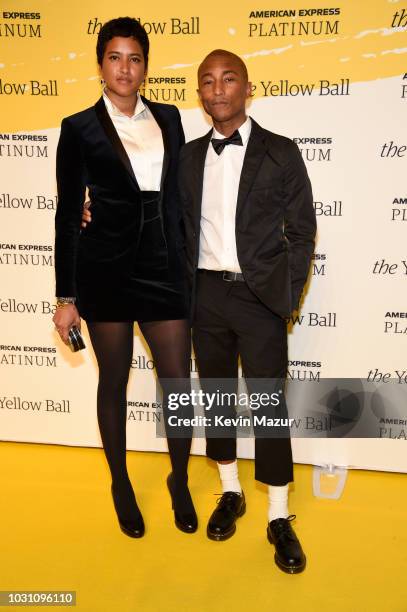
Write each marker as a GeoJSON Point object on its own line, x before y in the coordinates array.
{"type": "Point", "coordinates": [61, 304]}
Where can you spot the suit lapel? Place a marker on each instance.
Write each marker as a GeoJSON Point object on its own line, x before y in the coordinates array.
{"type": "Point", "coordinates": [162, 121]}
{"type": "Point", "coordinates": [255, 152]}
{"type": "Point", "coordinates": [197, 175]}
{"type": "Point", "coordinates": [112, 135]}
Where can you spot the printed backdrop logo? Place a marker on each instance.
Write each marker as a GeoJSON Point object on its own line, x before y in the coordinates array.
{"type": "Point", "coordinates": [19, 355]}
{"type": "Point", "coordinates": [399, 19]}
{"type": "Point", "coordinates": [315, 319]}
{"type": "Point", "coordinates": [388, 403]}
{"type": "Point", "coordinates": [303, 369]}
{"type": "Point", "coordinates": [312, 151]}
{"type": "Point", "coordinates": [147, 412]}
{"type": "Point", "coordinates": [164, 89]}
{"type": "Point", "coordinates": [323, 87]}
{"type": "Point", "coordinates": [37, 202]}
{"type": "Point", "coordinates": [375, 375]}
{"type": "Point", "coordinates": [328, 209]}
{"type": "Point", "coordinates": [293, 22]}
{"type": "Point", "coordinates": [404, 87]}
{"type": "Point", "coordinates": [383, 267]}
{"type": "Point", "coordinates": [318, 264]}
{"type": "Point", "coordinates": [141, 404]}
{"type": "Point", "coordinates": [390, 149]}
{"type": "Point", "coordinates": [13, 306]}
{"type": "Point", "coordinates": [14, 26]}
{"type": "Point", "coordinates": [395, 322]}
{"type": "Point", "coordinates": [141, 362]}
{"type": "Point", "coordinates": [21, 405]}
{"type": "Point", "coordinates": [8, 148]}
{"type": "Point", "coordinates": [26, 254]}
{"type": "Point", "coordinates": [172, 26]}
{"type": "Point", "coordinates": [399, 210]}
{"type": "Point", "coordinates": [29, 88]}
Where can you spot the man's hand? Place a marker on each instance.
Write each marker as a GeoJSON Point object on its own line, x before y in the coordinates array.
{"type": "Point", "coordinates": [64, 318]}
{"type": "Point", "coordinates": [86, 216]}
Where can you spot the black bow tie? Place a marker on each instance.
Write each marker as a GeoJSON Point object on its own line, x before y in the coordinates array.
{"type": "Point", "coordinates": [220, 143]}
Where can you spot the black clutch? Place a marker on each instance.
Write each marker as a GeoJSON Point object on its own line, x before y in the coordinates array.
{"type": "Point", "coordinates": [75, 339]}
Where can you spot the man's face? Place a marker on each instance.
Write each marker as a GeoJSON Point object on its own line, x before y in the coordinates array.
{"type": "Point", "coordinates": [223, 88]}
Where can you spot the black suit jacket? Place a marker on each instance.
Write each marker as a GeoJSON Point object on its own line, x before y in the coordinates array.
{"type": "Point", "coordinates": [90, 154]}
{"type": "Point", "coordinates": [275, 217]}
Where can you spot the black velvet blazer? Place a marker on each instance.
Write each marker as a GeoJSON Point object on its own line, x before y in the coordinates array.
{"type": "Point", "coordinates": [275, 217]}
{"type": "Point", "coordinates": [90, 154]}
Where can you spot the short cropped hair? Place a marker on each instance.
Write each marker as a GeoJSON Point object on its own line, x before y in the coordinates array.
{"type": "Point", "coordinates": [127, 27]}
{"type": "Point", "coordinates": [238, 59]}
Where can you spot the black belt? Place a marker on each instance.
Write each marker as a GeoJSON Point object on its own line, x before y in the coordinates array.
{"type": "Point", "coordinates": [224, 275]}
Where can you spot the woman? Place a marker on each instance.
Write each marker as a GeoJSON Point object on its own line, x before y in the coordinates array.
{"type": "Point", "coordinates": [127, 265]}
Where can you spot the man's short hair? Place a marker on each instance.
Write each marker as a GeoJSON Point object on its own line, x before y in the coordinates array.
{"type": "Point", "coordinates": [229, 54]}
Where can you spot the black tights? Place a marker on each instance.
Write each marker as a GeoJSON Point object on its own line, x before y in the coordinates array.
{"type": "Point", "coordinates": [170, 346]}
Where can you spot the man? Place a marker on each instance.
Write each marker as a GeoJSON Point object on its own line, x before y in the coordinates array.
{"type": "Point", "coordinates": [250, 228]}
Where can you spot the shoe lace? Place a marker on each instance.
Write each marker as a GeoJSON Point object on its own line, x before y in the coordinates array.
{"type": "Point", "coordinates": [225, 500]}
{"type": "Point", "coordinates": [282, 527]}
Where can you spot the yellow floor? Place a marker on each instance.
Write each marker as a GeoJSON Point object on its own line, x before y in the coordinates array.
{"type": "Point", "coordinates": [59, 531]}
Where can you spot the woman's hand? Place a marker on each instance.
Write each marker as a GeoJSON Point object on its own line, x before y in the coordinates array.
{"type": "Point", "coordinates": [86, 214]}
{"type": "Point", "coordinates": [64, 318]}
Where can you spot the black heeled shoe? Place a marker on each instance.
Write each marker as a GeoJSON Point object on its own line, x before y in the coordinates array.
{"type": "Point", "coordinates": [185, 521]}
{"type": "Point", "coordinates": [134, 528]}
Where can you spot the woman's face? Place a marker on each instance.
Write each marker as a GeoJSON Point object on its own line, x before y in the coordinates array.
{"type": "Point", "coordinates": [123, 66]}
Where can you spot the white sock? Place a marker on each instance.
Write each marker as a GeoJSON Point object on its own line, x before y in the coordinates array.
{"type": "Point", "coordinates": [229, 477]}
{"type": "Point", "coordinates": [278, 502]}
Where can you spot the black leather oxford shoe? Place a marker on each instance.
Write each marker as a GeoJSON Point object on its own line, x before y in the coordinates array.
{"type": "Point", "coordinates": [289, 555]}
{"type": "Point", "coordinates": [134, 527]}
{"type": "Point", "coordinates": [184, 512]}
{"type": "Point", "coordinates": [222, 524]}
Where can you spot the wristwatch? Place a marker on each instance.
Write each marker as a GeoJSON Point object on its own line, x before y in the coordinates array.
{"type": "Point", "coordinates": [64, 301]}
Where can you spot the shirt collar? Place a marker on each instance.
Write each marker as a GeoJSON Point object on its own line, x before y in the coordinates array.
{"type": "Point", "coordinates": [244, 131]}
{"type": "Point", "coordinates": [115, 112]}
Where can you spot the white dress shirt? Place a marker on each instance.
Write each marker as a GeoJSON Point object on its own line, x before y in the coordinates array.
{"type": "Point", "coordinates": [142, 139]}
{"type": "Point", "coordinates": [217, 244]}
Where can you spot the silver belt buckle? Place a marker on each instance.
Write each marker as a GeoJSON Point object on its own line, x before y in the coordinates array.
{"type": "Point", "coordinates": [228, 280]}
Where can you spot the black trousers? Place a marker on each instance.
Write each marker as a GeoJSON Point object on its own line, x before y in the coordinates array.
{"type": "Point", "coordinates": [230, 321]}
